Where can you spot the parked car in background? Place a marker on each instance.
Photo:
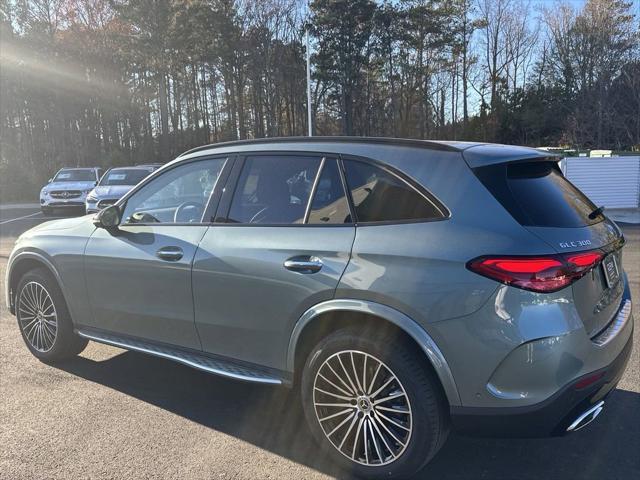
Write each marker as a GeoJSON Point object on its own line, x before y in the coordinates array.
{"type": "Point", "coordinates": [114, 184]}
{"type": "Point", "coordinates": [404, 287]}
{"type": "Point", "coordinates": [68, 189]}
{"type": "Point", "coordinates": [154, 165]}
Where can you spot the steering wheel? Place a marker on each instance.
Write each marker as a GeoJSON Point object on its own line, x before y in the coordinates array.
{"type": "Point", "coordinates": [142, 217]}
{"type": "Point", "coordinates": [185, 207]}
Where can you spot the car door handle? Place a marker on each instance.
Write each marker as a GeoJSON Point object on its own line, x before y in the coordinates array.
{"type": "Point", "coordinates": [303, 264]}
{"type": "Point", "coordinates": [172, 254]}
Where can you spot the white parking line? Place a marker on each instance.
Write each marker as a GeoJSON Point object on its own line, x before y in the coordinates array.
{"type": "Point", "coordinates": [19, 206]}
{"type": "Point", "coordinates": [19, 218]}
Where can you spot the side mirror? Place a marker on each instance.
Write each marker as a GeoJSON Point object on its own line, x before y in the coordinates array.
{"type": "Point", "coordinates": [50, 180]}
{"type": "Point", "coordinates": [109, 218]}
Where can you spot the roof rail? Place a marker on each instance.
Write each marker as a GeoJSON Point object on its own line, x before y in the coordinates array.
{"type": "Point", "coordinates": [429, 144]}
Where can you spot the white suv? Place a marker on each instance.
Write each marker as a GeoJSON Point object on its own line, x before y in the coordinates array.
{"type": "Point", "coordinates": [68, 189]}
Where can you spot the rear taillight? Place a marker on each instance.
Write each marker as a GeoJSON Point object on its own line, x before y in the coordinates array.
{"type": "Point", "coordinates": [587, 380]}
{"type": "Point", "coordinates": [548, 273]}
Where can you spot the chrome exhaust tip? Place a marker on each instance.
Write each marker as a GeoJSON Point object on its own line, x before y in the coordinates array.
{"type": "Point", "coordinates": [586, 417]}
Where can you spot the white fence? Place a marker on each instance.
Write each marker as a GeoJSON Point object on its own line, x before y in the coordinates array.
{"type": "Point", "coordinates": [610, 181]}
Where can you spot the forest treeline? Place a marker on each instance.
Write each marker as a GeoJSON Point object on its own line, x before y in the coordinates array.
{"type": "Point", "coordinates": [115, 82]}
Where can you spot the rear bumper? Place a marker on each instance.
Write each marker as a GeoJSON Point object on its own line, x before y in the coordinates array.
{"type": "Point", "coordinates": [548, 418]}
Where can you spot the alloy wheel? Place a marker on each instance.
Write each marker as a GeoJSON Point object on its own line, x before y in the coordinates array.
{"type": "Point", "coordinates": [37, 316]}
{"type": "Point", "coordinates": [362, 407]}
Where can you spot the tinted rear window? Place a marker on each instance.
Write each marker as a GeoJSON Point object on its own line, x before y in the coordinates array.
{"type": "Point", "coordinates": [537, 194]}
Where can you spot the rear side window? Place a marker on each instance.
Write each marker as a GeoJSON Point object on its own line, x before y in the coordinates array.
{"type": "Point", "coordinates": [537, 194]}
{"type": "Point", "coordinates": [274, 189]}
{"type": "Point", "coordinates": [380, 196]}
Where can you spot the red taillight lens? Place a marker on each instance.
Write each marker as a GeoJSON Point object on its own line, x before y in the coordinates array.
{"type": "Point", "coordinates": [584, 382]}
{"type": "Point", "coordinates": [539, 274]}
{"type": "Point", "coordinates": [588, 259]}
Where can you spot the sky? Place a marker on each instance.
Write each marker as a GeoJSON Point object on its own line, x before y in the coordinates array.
{"type": "Point", "coordinates": [537, 5]}
{"type": "Point", "coordinates": [580, 3]}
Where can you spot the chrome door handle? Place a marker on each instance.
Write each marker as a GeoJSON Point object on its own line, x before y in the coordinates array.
{"type": "Point", "coordinates": [303, 264]}
{"type": "Point", "coordinates": [172, 254]}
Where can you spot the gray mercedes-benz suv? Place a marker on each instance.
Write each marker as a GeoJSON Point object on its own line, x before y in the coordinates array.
{"type": "Point", "coordinates": [404, 287]}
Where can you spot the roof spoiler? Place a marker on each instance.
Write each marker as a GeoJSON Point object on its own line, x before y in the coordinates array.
{"type": "Point", "coordinates": [492, 154]}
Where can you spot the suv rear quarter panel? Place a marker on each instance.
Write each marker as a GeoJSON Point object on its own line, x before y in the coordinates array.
{"type": "Point", "coordinates": [522, 347]}
{"type": "Point", "coordinates": [420, 270]}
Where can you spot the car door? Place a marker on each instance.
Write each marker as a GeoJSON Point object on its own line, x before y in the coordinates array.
{"type": "Point", "coordinates": [281, 243]}
{"type": "Point", "coordinates": [139, 276]}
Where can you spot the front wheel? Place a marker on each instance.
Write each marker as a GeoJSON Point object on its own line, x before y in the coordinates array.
{"type": "Point", "coordinates": [43, 318]}
{"type": "Point", "coordinates": [372, 404]}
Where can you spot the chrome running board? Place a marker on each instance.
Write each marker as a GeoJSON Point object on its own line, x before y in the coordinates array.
{"type": "Point", "coordinates": [200, 361]}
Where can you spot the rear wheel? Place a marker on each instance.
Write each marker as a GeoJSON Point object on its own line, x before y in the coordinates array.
{"type": "Point", "coordinates": [372, 405]}
{"type": "Point", "coordinates": [43, 318]}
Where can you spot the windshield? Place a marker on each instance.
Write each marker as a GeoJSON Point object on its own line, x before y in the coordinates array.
{"type": "Point", "coordinates": [124, 176]}
{"type": "Point", "coordinates": [75, 175]}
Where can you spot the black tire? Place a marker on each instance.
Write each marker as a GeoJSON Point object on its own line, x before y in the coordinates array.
{"type": "Point", "coordinates": [65, 342]}
{"type": "Point", "coordinates": [46, 211]}
{"type": "Point", "coordinates": [429, 417]}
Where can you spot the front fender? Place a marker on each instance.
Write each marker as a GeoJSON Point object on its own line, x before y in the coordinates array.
{"type": "Point", "coordinates": [15, 259]}
{"type": "Point", "coordinates": [402, 321]}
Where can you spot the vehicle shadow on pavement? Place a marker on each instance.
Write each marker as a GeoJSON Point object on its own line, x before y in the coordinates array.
{"type": "Point", "coordinates": [272, 419]}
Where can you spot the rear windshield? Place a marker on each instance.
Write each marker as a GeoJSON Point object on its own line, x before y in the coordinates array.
{"type": "Point", "coordinates": [76, 175]}
{"type": "Point", "coordinates": [537, 194]}
{"type": "Point", "coordinates": [124, 176]}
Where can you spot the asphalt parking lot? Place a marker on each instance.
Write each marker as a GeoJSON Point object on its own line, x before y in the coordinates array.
{"type": "Point", "coordinates": [116, 414]}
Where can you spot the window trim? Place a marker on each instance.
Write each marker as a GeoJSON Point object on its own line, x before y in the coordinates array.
{"type": "Point", "coordinates": [338, 161]}
{"type": "Point", "coordinates": [312, 193]}
{"type": "Point", "coordinates": [404, 178]}
{"type": "Point", "coordinates": [103, 175]}
{"type": "Point", "coordinates": [228, 192]}
{"type": "Point", "coordinates": [211, 204]}
{"type": "Point", "coordinates": [347, 192]}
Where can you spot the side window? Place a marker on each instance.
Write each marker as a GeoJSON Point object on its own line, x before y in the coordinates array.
{"type": "Point", "coordinates": [179, 195]}
{"type": "Point", "coordinates": [329, 204]}
{"type": "Point", "coordinates": [274, 189]}
{"type": "Point", "coordinates": [379, 196]}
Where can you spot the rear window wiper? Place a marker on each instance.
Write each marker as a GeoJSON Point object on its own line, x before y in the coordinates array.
{"type": "Point", "coordinates": [596, 213]}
